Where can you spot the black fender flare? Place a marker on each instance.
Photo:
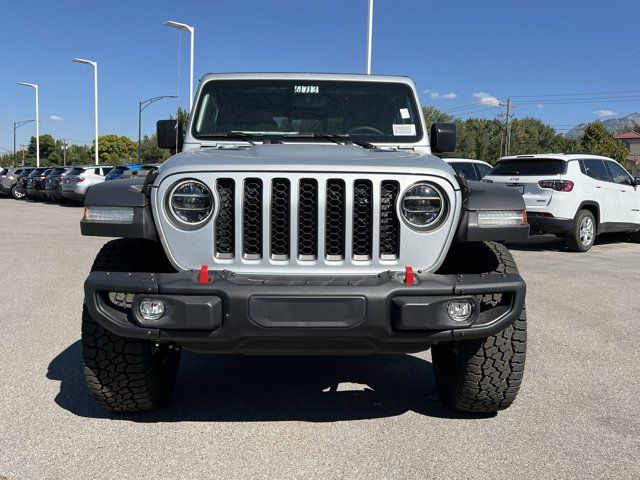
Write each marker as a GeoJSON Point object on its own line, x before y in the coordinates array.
{"type": "Point", "coordinates": [126, 192]}
{"type": "Point", "coordinates": [483, 196]}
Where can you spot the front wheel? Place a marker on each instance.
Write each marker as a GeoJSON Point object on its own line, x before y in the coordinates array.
{"type": "Point", "coordinates": [16, 194]}
{"type": "Point", "coordinates": [583, 233]}
{"type": "Point", "coordinates": [482, 375]}
{"type": "Point", "coordinates": [126, 374]}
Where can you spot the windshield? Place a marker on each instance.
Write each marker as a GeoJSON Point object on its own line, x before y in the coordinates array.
{"type": "Point", "coordinates": [368, 111]}
{"type": "Point", "coordinates": [534, 167]}
{"type": "Point", "coordinates": [75, 171]}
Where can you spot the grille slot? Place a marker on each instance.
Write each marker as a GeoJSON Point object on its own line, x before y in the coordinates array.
{"type": "Point", "coordinates": [389, 224]}
{"type": "Point", "coordinates": [362, 220]}
{"type": "Point", "coordinates": [225, 220]}
{"type": "Point", "coordinates": [335, 220]}
{"type": "Point", "coordinates": [308, 219]}
{"type": "Point", "coordinates": [280, 218]}
{"type": "Point", "coordinates": [252, 219]}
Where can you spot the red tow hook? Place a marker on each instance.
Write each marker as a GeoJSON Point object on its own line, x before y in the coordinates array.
{"type": "Point", "coordinates": [409, 279]}
{"type": "Point", "coordinates": [203, 276]}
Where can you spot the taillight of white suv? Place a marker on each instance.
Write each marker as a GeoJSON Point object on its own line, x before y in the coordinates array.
{"type": "Point", "coordinates": [557, 185]}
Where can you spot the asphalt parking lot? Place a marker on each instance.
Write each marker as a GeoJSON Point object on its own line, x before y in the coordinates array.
{"type": "Point", "coordinates": [356, 417]}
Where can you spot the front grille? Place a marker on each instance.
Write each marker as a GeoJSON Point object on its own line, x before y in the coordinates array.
{"type": "Point", "coordinates": [307, 220]}
{"type": "Point", "coordinates": [252, 219]}
{"type": "Point", "coordinates": [225, 219]}
{"type": "Point", "coordinates": [362, 219]}
{"type": "Point", "coordinates": [280, 221]}
{"type": "Point", "coordinates": [389, 224]}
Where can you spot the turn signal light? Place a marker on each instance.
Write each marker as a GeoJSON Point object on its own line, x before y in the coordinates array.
{"type": "Point", "coordinates": [557, 185]}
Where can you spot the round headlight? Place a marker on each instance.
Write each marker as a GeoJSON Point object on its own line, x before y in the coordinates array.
{"type": "Point", "coordinates": [191, 202]}
{"type": "Point", "coordinates": [423, 206]}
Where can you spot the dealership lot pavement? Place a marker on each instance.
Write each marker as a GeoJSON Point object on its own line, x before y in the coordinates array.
{"type": "Point", "coordinates": [356, 417]}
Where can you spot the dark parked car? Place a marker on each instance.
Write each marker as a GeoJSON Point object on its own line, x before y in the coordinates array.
{"type": "Point", "coordinates": [35, 183]}
{"type": "Point", "coordinates": [20, 190]}
{"type": "Point", "coordinates": [122, 171]}
{"type": "Point", "coordinates": [53, 184]}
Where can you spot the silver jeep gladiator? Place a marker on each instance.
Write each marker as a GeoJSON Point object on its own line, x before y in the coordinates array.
{"type": "Point", "coordinates": [304, 214]}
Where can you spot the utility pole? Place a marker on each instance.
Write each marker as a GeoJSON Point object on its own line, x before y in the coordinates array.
{"type": "Point", "coordinates": [64, 152]}
{"type": "Point", "coordinates": [507, 125]}
{"type": "Point", "coordinates": [23, 147]}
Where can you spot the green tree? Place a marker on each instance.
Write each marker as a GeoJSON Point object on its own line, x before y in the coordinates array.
{"type": "Point", "coordinates": [432, 115]}
{"type": "Point", "coordinates": [47, 149]}
{"type": "Point", "coordinates": [150, 153]}
{"type": "Point", "coordinates": [597, 139]}
{"type": "Point", "coordinates": [115, 149]}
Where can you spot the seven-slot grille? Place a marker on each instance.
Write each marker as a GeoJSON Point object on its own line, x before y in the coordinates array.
{"type": "Point", "coordinates": [306, 220]}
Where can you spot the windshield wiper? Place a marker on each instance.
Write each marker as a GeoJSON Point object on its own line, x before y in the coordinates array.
{"type": "Point", "coordinates": [339, 138]}
{"type": "Point", "coordinates": [268, 137]}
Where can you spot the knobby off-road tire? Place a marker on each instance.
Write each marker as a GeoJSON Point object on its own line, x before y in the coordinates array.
{"type": "Point", "coordinates": [578, 239]}
{"type": "Point", "coordinates": [126, 374]}
{"type": "Point", "coordinates": [481, 375]}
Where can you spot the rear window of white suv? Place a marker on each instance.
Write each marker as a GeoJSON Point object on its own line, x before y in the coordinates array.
{"type": "Point", "coordinates": [531, 167]}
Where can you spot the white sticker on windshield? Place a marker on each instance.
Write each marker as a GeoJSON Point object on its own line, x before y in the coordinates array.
{"type": "Point", "coordinates": [404, 113]}
{"type": "Point", "coordinates": [404, 130]}
{"type": "Point", "coordinates": [306, 89]}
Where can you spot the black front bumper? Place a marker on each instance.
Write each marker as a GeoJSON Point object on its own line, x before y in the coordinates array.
{"type": "Point", "coordinates": [293, 315]}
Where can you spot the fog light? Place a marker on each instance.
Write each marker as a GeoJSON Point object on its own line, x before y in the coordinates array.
{"type": "Point", "coordinates": [460, 310]}
{"type": "Point", "coordinates": [151, 308]}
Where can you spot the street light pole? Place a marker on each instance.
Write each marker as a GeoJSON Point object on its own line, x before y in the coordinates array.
{"type": "Point", "coordinates": [369, 36]}
{"type": "Point", "coordinates": [141, 106]}
{"type": "Point", "coordinates": [17, 125]}
{"type": "Point", "coordinates": [191, 30]}
{"type": "Point", "coordinates": [35, 87]}
{"type": "Point", "coordinates": [95, 97]}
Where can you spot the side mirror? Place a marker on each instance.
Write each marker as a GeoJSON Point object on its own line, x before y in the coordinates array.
{"type": "Point", "coordinates": [443, 137]}
{"type": "Point", "coordinates": [170, 135]}
{"type": "Point", "coordinates": [636, 181]}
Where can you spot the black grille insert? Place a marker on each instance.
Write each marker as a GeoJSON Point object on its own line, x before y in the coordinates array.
{"type": "Point", "coordinates": [362, 219]}
{"type": "Point", "coordinates": [389, 224]}
{"type": "Point", "coordinates": [335, 220]}
{"type": "Point", "coordinates": [225, 220]}
{"type": "Point", "coordinates": [308, 219]}
{"type": "Point", "coordinates": [252, 218]}
{"type": "Point", "coordinates": [280, 218]}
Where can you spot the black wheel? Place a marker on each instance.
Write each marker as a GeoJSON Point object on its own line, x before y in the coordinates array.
{"type": "Point", "coordinates": [125, 374]}
{"type": "Point", "coordinates": [481, 375]}
{"type": "Point", "coordinates": [583, 233]}
{"type": "Point", "coordinates": [16, 194]}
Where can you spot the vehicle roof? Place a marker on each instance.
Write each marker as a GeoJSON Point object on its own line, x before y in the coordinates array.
{"type": "Point", "coordinates": [554, 156]}
{"type": "Point", "coordinates": [306, 76]}
{"type": "Point", "coordinates": [460, 160]}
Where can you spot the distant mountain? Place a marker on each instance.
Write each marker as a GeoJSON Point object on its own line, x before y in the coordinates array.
{"type": "Point", "coordinates": [613, 125]}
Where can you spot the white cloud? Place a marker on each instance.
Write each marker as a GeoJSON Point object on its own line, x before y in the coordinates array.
{"type": "Point", "coordinates": [486, 99]}
{"type": "Point", "coordinates": [55, 118]}
{"type": "Point", "coordinates": [446, 96]}
{"type": "Point", "coordinates": [539, 105]}
{"type": "Point", "coordinates": [605, 113]}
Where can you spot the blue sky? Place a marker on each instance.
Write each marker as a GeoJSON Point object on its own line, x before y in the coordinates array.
{"type": "Point", "coordinates": [491, 48]}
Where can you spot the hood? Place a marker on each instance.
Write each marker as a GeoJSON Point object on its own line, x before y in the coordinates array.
{"type": "Point", "coordinates": [307, 157]}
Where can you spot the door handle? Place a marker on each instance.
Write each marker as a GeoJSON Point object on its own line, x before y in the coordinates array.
{"type": "Point", "coordinates": [598, 186]}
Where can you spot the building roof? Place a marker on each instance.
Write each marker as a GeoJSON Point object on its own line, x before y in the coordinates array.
{"type": "Point", "coordinates": [627, 135]}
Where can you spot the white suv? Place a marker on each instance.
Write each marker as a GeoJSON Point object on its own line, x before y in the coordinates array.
{"type": "Point", "coordinates": [577, 196]}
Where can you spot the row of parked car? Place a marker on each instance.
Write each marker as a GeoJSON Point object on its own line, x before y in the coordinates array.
{"type": "Point", "coordinates": [575, 196]}
{"type": "Point", "coordinates": [62, 184]}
